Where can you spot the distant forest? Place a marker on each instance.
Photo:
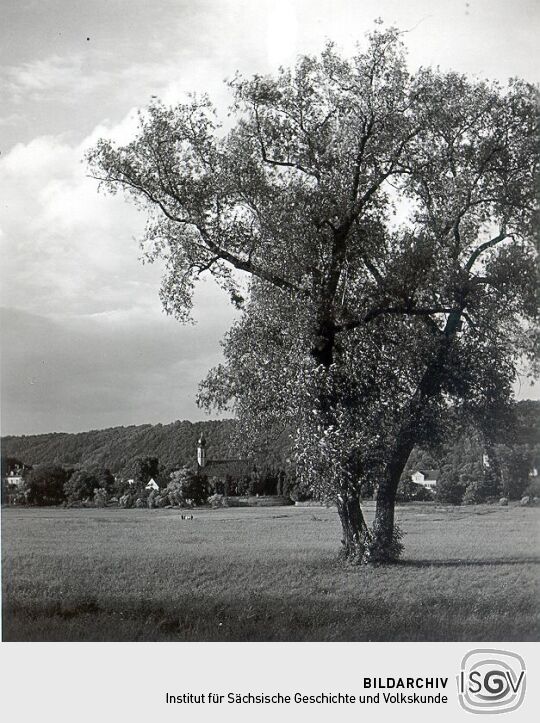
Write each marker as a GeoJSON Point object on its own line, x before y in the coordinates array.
{"type": "Point", "coordinates": [175, 445]}
{"type": "Point", "coordinates": [115, 448]}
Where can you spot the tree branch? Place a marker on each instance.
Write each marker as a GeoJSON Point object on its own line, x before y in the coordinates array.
{"type": "Point", "coordinates": [248, 266]}
{"type": "Point", "coordinates": [485, 246]}
{"type": "Point", "coordinates": [405, 310]}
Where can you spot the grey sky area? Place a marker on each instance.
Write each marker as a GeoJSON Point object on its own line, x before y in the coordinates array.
{"type": "Point", "coordinates": [84, 341]}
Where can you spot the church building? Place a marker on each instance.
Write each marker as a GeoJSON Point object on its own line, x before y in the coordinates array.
{"type": "Point", "coordinates": [227, 476]}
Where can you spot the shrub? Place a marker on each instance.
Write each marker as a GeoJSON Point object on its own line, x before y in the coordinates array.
{"type": "Point", "coordinates": [300, 491]}
{"type": "Point", "coordinates": [422, 494]}
{"type": "Point", "coordinates": [187, 489]}
{"type": "Point", "coordinates": [121, 487]}
{"type": "Point", "coordinates": [450, 488]}
{"type": "Point", "coordinates": [243, 486]}
{"type": "Point", "coordinates": [126, 501]}
{"type": "Point", "coordinates": [480, 490]}
{"type": "Point", "coordinates": [80, 486]}
{"type": "Point", "coordinates": [100, 497]}
{"type": "Point", "coordinates": [161, 500]}
{"type": "Point", "coordinates": [406, 490]}
{"type": "Point", "coordinates": [217, 501]}
{"type": "Point", "coordinates": [533, 488]}
{"type": "Point", "coordinates": [106, 481]}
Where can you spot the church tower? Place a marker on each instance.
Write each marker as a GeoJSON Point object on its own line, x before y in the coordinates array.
{"type": "Point", "coordinates": [201, 451]}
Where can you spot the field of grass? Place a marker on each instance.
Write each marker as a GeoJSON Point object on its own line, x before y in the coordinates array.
{"type": "Point", "coordinates": [468, 573]}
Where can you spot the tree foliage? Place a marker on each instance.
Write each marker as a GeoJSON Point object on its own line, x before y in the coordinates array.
{"type": "Point", "coordinates": [80, 486]}
{"type": "Point", "coordinates": [44, 485]}
{"type": "Point", "coordinates": [384, 223]}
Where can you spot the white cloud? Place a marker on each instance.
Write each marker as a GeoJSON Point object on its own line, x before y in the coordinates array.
{"type": "Point", "coordinates": [54, 76]}
{"type": "Point", "coordinates": [64, 245]}
{"type": "Point", "coordinates": [85, 342]}
{"type": "Point", "coordinates": [67, 249]}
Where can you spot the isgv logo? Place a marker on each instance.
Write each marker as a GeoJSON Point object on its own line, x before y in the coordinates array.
{"type": "Point", "coordinates": [491, 681]}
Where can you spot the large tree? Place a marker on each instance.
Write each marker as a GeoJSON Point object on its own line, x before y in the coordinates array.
{"type": "Point", "coordinates": [377, 229]}
{"type": "Point", "coordinates": [44, 485]}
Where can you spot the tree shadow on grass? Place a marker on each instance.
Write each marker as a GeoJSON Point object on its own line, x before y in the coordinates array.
{"type": "Point", "coordinates": [491, 562]}
{"type": "Point", "coordinates": [270, 617]}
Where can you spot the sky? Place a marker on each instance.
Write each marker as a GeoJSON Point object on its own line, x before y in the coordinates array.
{"type": "Point", "coordinates": [84, 341]}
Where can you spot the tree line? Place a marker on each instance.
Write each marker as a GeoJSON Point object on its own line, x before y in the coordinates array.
{"type": "Point", "coordinates": [470, 468]}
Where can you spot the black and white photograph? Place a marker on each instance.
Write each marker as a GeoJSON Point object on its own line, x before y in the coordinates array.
{"type": "Point", "coordinates": [269, 322]}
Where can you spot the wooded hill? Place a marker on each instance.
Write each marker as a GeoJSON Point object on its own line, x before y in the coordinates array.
{"type": "Point", "coordinates": [175, 444]}
{"type": "Point", "coordinates": [115, 448]}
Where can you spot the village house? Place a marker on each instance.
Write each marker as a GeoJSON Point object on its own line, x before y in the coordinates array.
{"type": "Point", "coordinates": [14, 478]}
{"type": "Point", "coordinates": [426, 477]}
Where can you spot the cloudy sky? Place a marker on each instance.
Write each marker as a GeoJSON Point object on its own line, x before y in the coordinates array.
{"type": "Point", "coordinates": [84, 341]}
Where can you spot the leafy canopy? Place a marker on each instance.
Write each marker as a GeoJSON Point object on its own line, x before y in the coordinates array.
{"type": "Point", "coordinates": [376, 226]}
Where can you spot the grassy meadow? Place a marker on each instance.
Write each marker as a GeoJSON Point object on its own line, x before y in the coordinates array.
{"type": "Point", "coordinates": [240, 574]}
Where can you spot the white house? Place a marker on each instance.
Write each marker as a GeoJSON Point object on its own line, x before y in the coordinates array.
{"type": "Point", "coordinates": [426, 477]}
{"type": "Point", "coordinates": [15, 479]}
{"type": "Point", "coordinates": [152, 485]}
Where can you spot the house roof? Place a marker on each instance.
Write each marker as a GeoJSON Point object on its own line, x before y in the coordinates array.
{"type": "Point", "coordinates": [429, 473]}
{"type": "Point", "coordinates": [228, 468]}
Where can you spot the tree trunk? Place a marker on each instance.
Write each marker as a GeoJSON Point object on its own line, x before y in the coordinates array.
{"type": "Point", "coordinates": [385, 545]}
{"type": "Point", "coordinates": [355, 530]}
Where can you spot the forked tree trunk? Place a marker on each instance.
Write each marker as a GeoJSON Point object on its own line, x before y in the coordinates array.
{"type": "Point", "coordinates": [355, 530]}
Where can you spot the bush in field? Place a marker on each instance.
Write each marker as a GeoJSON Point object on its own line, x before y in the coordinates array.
{"type": "Point", "coordinates": [299, 491]}
{"type": "Point", "coordinates": [450, 488]}
{"type": "Point", "coordinates": [533, 488]}
{"type": "Point", "coordinates": [133, 497]}
{"type": "Point", "coordinates": [160, 498]}
{"type": "Point", "coordinates": [151, 499]}
{"type": "Point", "coordinates": [243, 486]}
{"type": "Point", "coordinates": [217, 501]}
{"type": "Point", "coordinates": [405, 490]}
{"type": "Point", "coordinates": [80, 486]}
{"type": "Point", "coordinates": [106, 481]}
{"type": "Point", "coordinates": [474, 493]}
{"type": "Point", "coordinates": [100, 497]}
{"type": "Point", "coordinates": [422, 494]}
{"type": "Point", "coordinates": [409, 491]}
{"type": "Point", "coordinates": [174, 493]}
{"type": "Point", "coordinates": [121, 487]}
{"type": "Point", "coordinates": [125, 501]}
{"type": "Point", "coordinates": [482, 488]}
{"type": "Point", "coordinates": [44, 485]}
{"type": "Point", "coordinates": [185, 487]}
